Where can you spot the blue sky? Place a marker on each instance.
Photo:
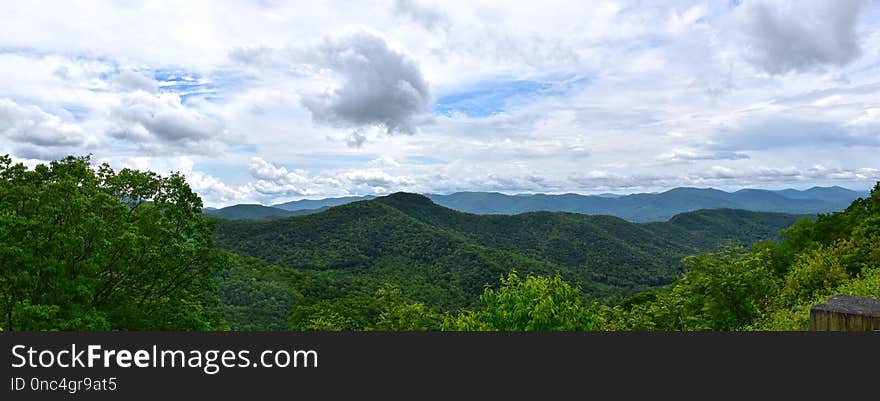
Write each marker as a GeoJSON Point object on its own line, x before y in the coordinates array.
{"type": "Point", "coordinates": [483, 99]}
{"type": "Point", "coordinates": [273, 101]}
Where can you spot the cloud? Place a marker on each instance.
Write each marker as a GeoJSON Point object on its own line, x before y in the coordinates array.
{"type": "Point", "coordinates": [384, 161]}
{"type": "Point", "coordinates": [783, 36]}
{"type": "Point", "coordinates": [602, 180]}
{"type": "Point", "coordinates": [274, 181]}
{"type": "Point", "coordinates": [31, 125]}
{"type": "Point", "coordinates": [380, 86]}
{"type": "Point", "coordinates": [27, 151]}
{"type": "Point", "coordinates": [132, 80]}
{"type": "Point", "coordinates": [723, 176]}
{"type": "Point", "coordinates": [374, 180]}
{"type": "Point", "coordinates": [356, 138]}
{"type": "Point", "coordinates": [784, 174]}
{"type": "Point", "coordinates": [684, 155]}
{"type": "Point", "coordinates": [493, 91]}
{"type": "Point", "coordinates": [837, 173]}
{"type": "Point", "coordinates": [214, 190]}
{"type": "Point", "coordinates": [254, 55]}
{"type": "Point", "coordinates": [161, 120]}
{"type": "Point", "coordinates": [870, 116]}
{"type": "Point", "coordinates": [787, 131]}
{"type": "Point", "coordinates": [263, 170]}
{"type": "Point", "coordinates": [509, 182]}
{"type": "Point", "coordinates": [428, 17]}
{"type": "Point", "coordinates": [681, 22]}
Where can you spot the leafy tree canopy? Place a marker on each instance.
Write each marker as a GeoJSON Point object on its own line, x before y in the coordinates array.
{"type": "Point", "coordinates": [535, 303]}
{"type": "Point", "coordinates": [85, 248]}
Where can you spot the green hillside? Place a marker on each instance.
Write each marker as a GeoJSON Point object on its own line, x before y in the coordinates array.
{"type": "Point", "coordinates": [374, 240]}
{"type": "Point", "coordinates": [773, 285]}
{"type": "Point", "coordinates": [337, 260]}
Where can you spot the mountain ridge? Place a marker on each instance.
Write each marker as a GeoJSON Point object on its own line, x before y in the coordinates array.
{"type": "Point", "coordinates": [451, 255]}
{"type": "Point", "coordinates": [642, 207]}
{"type": "Point", "coordinates": [256, 212]}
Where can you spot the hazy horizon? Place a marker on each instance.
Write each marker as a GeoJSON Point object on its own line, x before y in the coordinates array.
{"type": "Point", "coordinates": [220, 206]}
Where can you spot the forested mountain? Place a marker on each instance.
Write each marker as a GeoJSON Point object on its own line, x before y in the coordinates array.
{"type": "Point", "coordinates": [307, 204]}
{"type": "Point", "coordinates": [655, 206]}
{"type": "Point", "coordinates": [340, 258]}
{"type": "Point", "coordinates": [256, 212]}
{"type": "Point", "coordinates": [636, 208]}
{"type": "Point", "coordinates": [828, 194]}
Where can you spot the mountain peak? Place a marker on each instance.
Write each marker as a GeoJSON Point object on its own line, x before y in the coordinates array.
{"type": "Point", "coordinates": [405, 198]}
{"type": "Point", "coordinates": [692, 190]}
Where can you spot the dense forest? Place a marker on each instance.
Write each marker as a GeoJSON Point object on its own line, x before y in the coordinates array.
{"type": "Point", "coordinates": [445, 259]}
{"type": "Point", "coordinates": [89, 248]}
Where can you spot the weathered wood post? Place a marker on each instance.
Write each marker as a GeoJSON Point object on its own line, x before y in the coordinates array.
{"type": "Point", "coordinates": [846, 313]}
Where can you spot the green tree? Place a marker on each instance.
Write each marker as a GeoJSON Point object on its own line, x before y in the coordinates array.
{"type": "Point", "coordinates": [814, 273]}
{"type": "Point", "coordinates": [399, 313]}
{"type": "Point", "coordinates": [727, 290]}
{"type": "Point", "coordinates": [535, 303]}
{"type": "Point", "coordinates": [94, 249]}
{"type": "Point", "coordinates": [724, 290]}
{"type": "Point", "coordinates": [326, 316]}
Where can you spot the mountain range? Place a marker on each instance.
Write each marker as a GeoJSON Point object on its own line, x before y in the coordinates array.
{"type": "Point", "coordinates": [643, 207]}
{"type": "Point", "coordinates": [445, 258]}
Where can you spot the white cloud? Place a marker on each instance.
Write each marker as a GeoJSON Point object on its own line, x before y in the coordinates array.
{"type": "Point", "coordinates": [161, 121]}
{"type": "Point", "coordinates": [214, 191]}
{"type": "Point", "coordinates": [380, 85]}
{"type": "Point", "coordinates": [263, 170]}
{"type": "Point", "coordinates": [723, 177]}
{"type": "Point", "coordinates": [425, 15]}
{"type": "Point", "coordinates": [132, 81]}
{"type": "Point", "coordinates": [785, 35]}
{"type": "Point", "coordinates": [274, 181]}
{"type": "Point", "coordinates": [676, 155]}
{"type": "Point", "coordinates": [681, 21]}
{"type": "Point", "coordinates": [31, 125]}
{"type": "Point", "coordinates": [384, 161]}
{"type": "Point", "coordinates": [374, 180]}
{"type": "Point", "coordinates": [870, 116]}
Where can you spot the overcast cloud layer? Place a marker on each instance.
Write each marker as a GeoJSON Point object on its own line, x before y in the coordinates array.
{"type": "Point", "coordinates": [271, 101]}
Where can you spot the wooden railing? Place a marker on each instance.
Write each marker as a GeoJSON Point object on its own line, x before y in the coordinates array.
{"type": "Point", "coordinates": [846, 313]}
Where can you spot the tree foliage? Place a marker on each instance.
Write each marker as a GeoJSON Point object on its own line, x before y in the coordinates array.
{"type": "Point", "coordinates": [773, 286]}
{"type": "Point", "coordinates": [388, 309]}
{"type": "Point", "coordinates": [535, 303]}
{"type": "Point", "coordinates": [85, 249]}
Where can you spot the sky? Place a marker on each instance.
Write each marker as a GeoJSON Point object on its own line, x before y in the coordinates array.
{"type": "Point", "coordinates": [267, 101]}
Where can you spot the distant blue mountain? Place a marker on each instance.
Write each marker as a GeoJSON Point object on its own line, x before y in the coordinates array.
{"type": "Point", "coordinates": [637, 207]}
{"type": "Point", "coordinates": [256, 212]}
{"type": "Point", "coordinates": [831, 194]}
{"type": "Point", "coordinates": [655, 206]}
{"type": "Point", "coordinates": [307, 204]}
